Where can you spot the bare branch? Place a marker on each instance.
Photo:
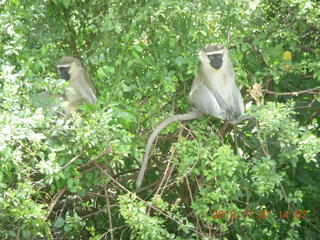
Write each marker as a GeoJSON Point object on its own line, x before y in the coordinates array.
{"type": "Point", "coordinates": [55, 201]}
{"type": "Point", "coordinates": [308, 91]}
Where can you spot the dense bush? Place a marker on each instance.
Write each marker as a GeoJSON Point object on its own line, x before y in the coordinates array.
{"type": "Point", "coordinates": [74, 177]}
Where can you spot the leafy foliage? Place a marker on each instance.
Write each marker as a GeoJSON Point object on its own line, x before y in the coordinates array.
{"type": "Point", "coordinates": [73, 177]}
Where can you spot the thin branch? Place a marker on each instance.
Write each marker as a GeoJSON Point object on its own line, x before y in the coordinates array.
{"type": "Point", "coordinates": [148, 186]}
{"type": "Point", "coordinates": [92, 162]}
{"type": "Point", "coordinates": [71, 161]}
{"type": "Point", "coordinates": [167, 172]}
{"type": "Point", "coordinates": [307, 106]}
{"type": "Point", "coordinates": [308, 91]}
{"type": "Point", "coordinates": [109, 215]}
{"type": "Point", "coordinates": [189, 170]}
{"type": "Point", "coordinates": [55, 201]}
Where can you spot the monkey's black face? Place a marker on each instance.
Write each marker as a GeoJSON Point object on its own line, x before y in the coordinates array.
{"type": "Point", "coordinates": [215, 60]}
{"type": "Point", "coordinates": [63, 71]}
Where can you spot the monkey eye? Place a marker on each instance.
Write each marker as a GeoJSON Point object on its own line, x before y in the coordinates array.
{"type": "Point", "coordinates": [63, 69]}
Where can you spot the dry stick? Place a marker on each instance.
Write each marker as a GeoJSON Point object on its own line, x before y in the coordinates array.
{"type": "Point", "coordinates": [306, 106]}
{"type": "Point", "coordinates": [314, 115]}
{"type": "Point", "coordinates": [148, 204]}
{"type": "Point", "coordinates": [310, 91]}
{"type": "Point", "coordinates": [101, 155]}
{"type": "Point", "coordinates": [55, 201]}
{"type": "Point", "coordinates": [18, 233]}
{"type": "Point", "coordinates": [187, 173]}
{"type": "Point", "coordinates": [167, 178]}
{"type": "Point", "coordinates": [184, 175]}
{"type": "Point", "coordinates": [116, 228]}
{"type": "Point", "coordinates": [197, 218]}
{"type": "Point", "coordinates": [71, 161]}
{"type": "Point", "coordinates": [128, 227]}
{"type": "Point", "coordinates": [189, 189]}
{"type": "Point", "coordinates": [98, 212]}
{"type": "Point", "coordinates": [167, 172]}
{"type": "Point", "coordinates": [62, 209]}
{"type": "Point", "coordinates": [191, 198]}
{"type": "Point", "coordinates": [171, 167]}
{"type": "Point", "coordinates": [148, 186]}
{"type": "Point", "coordinates": [110, 217]}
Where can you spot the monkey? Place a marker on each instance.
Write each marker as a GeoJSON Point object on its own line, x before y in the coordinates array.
{"type": "Point", "coordinates": [213, 93]}
{"type": "Point", "coordinates": [80, 89]}
{"type": "Point", "coordinates": [80, 85]}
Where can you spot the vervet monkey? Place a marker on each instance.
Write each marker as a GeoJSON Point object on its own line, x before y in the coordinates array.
{"type": "Point", "coordinates": [80, 87]}
{"type": "Point", "coordinates": [213, 93]}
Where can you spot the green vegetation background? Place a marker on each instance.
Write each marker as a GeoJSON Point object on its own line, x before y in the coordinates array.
{"type": "Point", "coordinates": [74, 178]}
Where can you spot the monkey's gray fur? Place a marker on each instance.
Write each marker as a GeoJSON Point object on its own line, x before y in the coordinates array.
{"type": "Point", "coordinates": [213, 92]}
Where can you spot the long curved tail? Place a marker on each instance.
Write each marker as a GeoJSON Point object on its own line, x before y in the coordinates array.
{"type": "Point", "coordinates": [181, 117]}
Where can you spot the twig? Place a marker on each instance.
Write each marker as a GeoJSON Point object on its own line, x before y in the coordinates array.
{"type": "Point", "coordinates": [309, 91]}
{"type": "Point", "coordinates": [101, 155]}
{"type": "Point", "coordinates": [55, 201]}
{"type": "Point", "coordinates": [109, 213]}
{"type": "Point", "coordinates": [167, 172]}
{"type": "Point", "coordinates": [97, 212]}
{"type": "Point", "coordinates": [71, 161]}
{"type": "Point", "coordinates": [148, 186]}
{"type": "Point", "coordinates": [18, 233]}
{"type": "Point", "coordinates": [307, 106]}
{"type": "Point", "coordinates": [188, 171]}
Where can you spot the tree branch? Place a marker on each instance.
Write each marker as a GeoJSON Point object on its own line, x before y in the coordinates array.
{"type": "Point", "coordinates": [309, 91]}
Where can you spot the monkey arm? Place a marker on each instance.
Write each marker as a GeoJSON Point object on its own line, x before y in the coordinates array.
{"type": "Point", "coordinates": [207, 102]}
{"type": "Point", "coordinates": [238, 102]}
{"type": "Point", "coordinates": [88, 95]}
{"type": "Point", "coordinates": [222, 102]}
{"type": "Point", "coordinates": [181, 117]}
{"type": "Point", "coordinates": [83, 87]}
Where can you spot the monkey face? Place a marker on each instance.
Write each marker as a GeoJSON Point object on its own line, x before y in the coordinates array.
{"type": "Point", "coordinates": [64, 72]}
{"type": "Point", "coordinates": [215, 60]}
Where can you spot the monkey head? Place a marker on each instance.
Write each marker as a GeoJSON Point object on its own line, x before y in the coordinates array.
{"type": "Point", "coordinates": [213, 54]}
{"type": "Point", "coordinates": [65, 66]}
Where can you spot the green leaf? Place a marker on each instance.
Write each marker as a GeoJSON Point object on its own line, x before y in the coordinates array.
{"type": "Point", "coordinates": [66, 3]}
{"type": "Point", "coordinates": [59, 222]}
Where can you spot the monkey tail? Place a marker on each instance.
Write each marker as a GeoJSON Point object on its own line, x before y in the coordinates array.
{"type": "Point", "coordinates": [194, 114]}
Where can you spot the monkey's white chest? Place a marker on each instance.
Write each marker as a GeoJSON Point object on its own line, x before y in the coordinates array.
{"type": "Point", "coordinates": [222, 84]}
